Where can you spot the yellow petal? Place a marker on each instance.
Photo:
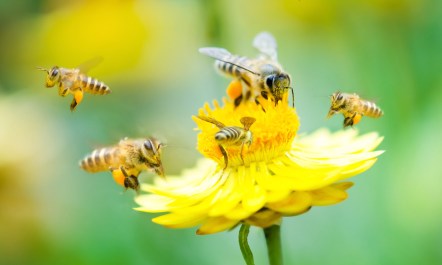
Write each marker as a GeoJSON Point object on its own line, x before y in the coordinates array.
{"type": "Point", "coordinates": [153, 203]}
{"type": "Point", "coordinates": [215, 225]}
{"type": "Point", "coordinates": [296, 203]}
{"type": "Point", "coordinates": [343, 185]}
{"type": "Point", "coordinates": [274, 196]}
{"type": "Point", "coordinates": [229, 197]}
{"type": "Point", "coordinates": [254, 199]}
{"type": "Point", "coordinates": [173, 220]}
{"type": "Point", "coordinates": [264, 218]}
{"type": "Point", "coordinates": [328, 196]}
{"type": "Point", "coordinates": [238, 213]}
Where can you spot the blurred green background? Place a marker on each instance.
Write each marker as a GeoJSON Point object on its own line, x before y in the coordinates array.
{"type": "Point", "coordinates": [51, 212]}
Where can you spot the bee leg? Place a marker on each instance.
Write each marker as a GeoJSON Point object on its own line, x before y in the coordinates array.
{"type": "Point", "coordinates": [118, 176]}
{"type": "Point", "coordinates": [73, 104]}
{"type": "Point", "coordinates": [130, 181]}
{"type": "Point", "coordinates": [348, 121]}
{"type": "Point", "coordinates": [242, 157]}
{"type": "Point", "coordinates": [226, 158]}
{"type": "Point", "coordinates": [234, 90]}
{"type": "Point", "coordinates": [265, 96]}
{"type": "Point", "coordinates": [356, 118]}
{"type": "Point", "coordinates": [237, 101]}
{"type": "Point", "coordinates": [62, 90]}
{"type": "Point", "coordinates": [78, 97]}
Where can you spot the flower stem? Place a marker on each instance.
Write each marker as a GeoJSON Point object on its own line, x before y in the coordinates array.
{"type": "Point", "coordinates": [273, 240]}
{"type": "Point", "coordinates": [244, 245]}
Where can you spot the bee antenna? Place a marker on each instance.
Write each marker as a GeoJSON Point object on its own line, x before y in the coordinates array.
{"type": "Point", "coordinates": [239, 66]}
{"type": "Point", "coordinates": [293, 96]}
{"type": "Point", "coordinates": [42, 69]}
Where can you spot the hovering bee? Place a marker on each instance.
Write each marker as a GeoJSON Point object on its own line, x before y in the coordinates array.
{"type": "Point", "coordinates": [353, 108]}
{"type": "Point", "coordinates": [232, 135]}
{"type": "Point", "coordinates": [75, 82]}
{"type": "Point", "coordinates": [262, 76]}
{"type": "Point", "coordinates": [126, 160]}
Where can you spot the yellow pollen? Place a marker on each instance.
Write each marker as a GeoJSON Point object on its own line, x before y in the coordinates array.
{"type": "Point", "coordinates": [273, 131]}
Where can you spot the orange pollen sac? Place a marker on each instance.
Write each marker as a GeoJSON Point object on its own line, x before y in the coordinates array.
{"type": "Point", "coordinates": [234, 90]}
{"type": "Point", "coordinates": [118, 176]}
{"type": "Point", "coordinates": [357, 118]}
{"type": "Point", "coordinates": [78, 96]}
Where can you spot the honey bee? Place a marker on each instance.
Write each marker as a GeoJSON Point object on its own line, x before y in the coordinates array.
{"type": "Point", "coordinates": [126, 160]}
{"type": "Point", "coordinates": [75, 82]}
{"type": "Point", "coordinates": [353, 108]}
{"type": "Point", "coordinates": [232, 135]}
{"type": "Point", "coordinates": [263, 76]}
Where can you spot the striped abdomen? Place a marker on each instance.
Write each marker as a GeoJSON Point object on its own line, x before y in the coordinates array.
{"type": "Point", "coordinates": [370, 109]}
{"type": "Point", "coordinates": [230, 136]}
{"type": "Point", "coordinates": [101, 160]}
{"type": "Point", "coordinates": [93, 86]}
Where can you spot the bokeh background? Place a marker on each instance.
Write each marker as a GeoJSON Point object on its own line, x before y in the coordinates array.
{"type": "Point", "coordinates": [51, 212]}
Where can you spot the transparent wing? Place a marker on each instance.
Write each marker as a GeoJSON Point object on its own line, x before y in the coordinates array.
{"type": "Point", "coordinates": [89, 64]}
{"type": "Point", "coordinates": [212, 120]}
{"type": "Point", "coordinates": [217, 53]}
{"type": "Point", "coordinates": [266, 44]}
{"type": "Point", "coordinates": [247, 122]}
{"type": "Point", "coordinates": [224, 55]}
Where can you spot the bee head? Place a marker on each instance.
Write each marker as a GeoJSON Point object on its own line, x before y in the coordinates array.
{"type": "Point", "coordinates": [53, 75]}
{"type": "Point", "coordinates": [151, 151]}
{"type": "Point", "coordinates": [337, 99]}
{"type": "Point", "coordinates": [278, 82]}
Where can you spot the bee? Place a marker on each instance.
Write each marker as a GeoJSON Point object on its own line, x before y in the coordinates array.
{"type": "Point", "coordinates": [262, 76]}
{"type": "Point", "coordinates": [353, 108]}
{"type": "Point", "coordinates": [75, 82]}
{"type": "Point", "coordinates": [232, 135]}
{"type": "Point", "coordinates": [126, 160]}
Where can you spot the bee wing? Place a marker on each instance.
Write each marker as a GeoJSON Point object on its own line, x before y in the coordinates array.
{"type": "Point", "coordinates": [247, 122]}
{"type": "Point", "coordinates": [266, 44]}
{"type": "Point", "coordinates": [212, 120]}
{"type": "Point", "coordinates": [223, 55]}
{"type": "Point", "coordinates": [217, 53]}
{"type": "Point", "coordinates": [89, 64]}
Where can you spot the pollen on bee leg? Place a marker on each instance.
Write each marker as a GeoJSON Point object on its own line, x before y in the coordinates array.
{"type": "Point", "coordinates": [118, 176]}
{"type": "Point", "coordinates": [78, 96]}
{"type": "Point", "coordinates": [234, 90]}
{"type": "Point", "coordinates": [357, 118]}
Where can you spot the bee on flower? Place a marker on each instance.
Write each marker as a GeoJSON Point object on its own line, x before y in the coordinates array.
{"type": "Point", "coordinates": [282, 174]}
{"type": "Point", "coordinates": [263, 77]}
{"type": "Point", "coordinates": [232, 135]}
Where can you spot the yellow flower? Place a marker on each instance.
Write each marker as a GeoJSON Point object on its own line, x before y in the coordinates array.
{"type": "Point", "coordinates": [281, 174]}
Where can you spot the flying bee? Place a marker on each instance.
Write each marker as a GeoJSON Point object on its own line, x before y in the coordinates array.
{"type": "Point", "coordinates": [262, 76]}
{"type": "Point", "coordinates": [232, 135]}
{"type": "Point", "coordinates": [75, 82]}
{"type": "Point", "coordinates": [353, 108]}
{"type": "Point", "coordinates": [126, 160]}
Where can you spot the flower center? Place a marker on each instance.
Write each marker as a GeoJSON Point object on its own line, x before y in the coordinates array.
{"type": "Point", "coordinates": [272, 132]}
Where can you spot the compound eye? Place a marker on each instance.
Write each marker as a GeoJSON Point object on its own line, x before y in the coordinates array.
{"type": "Point", "coordinates": [269, 81]}
{"type": "Point", "coordinates": [54, 72]}
{"type": "Point", "coordinates": [340, 97]}
{"type": "Point", "coordinates": [148, 145]}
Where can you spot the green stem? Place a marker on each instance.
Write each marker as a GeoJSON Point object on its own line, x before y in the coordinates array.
{"type": "Point", "coordinates": [244, 246]}
{"type": "Point", "coordinates": [273, 240]}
